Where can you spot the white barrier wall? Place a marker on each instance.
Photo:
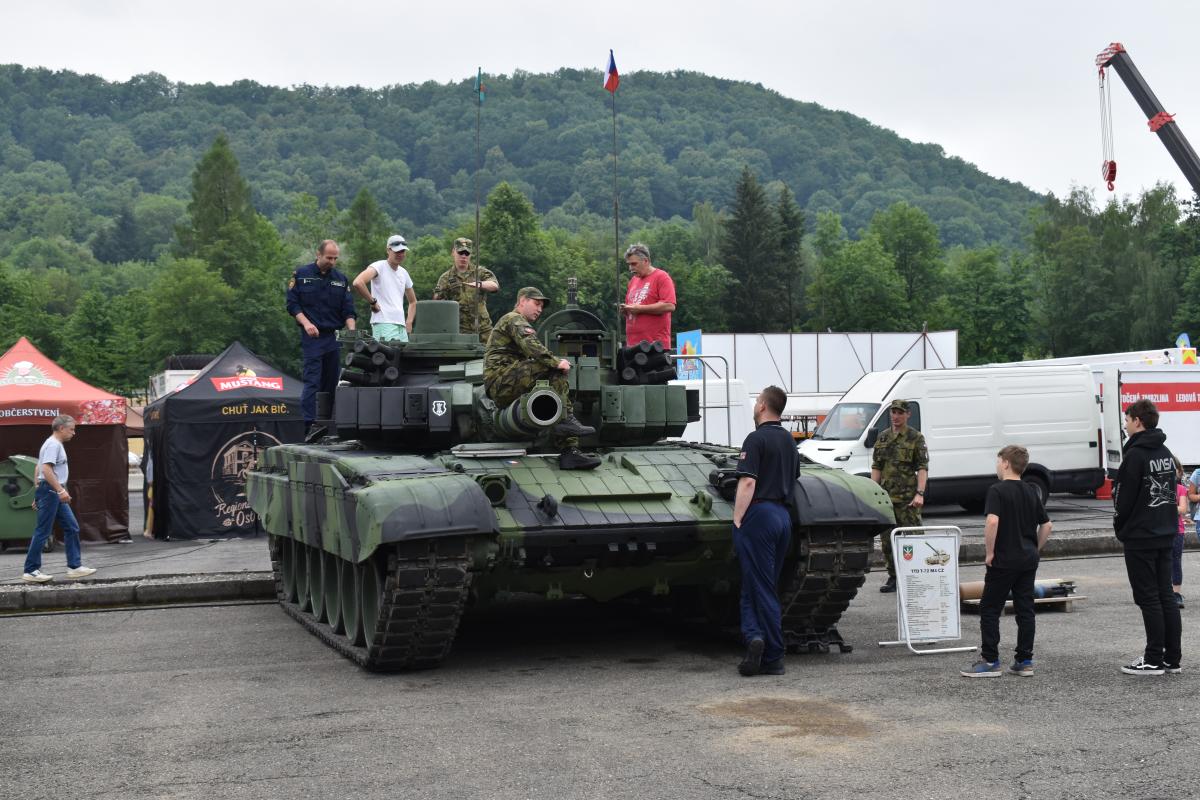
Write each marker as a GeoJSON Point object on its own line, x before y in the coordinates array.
{"type": "Point", "coordinates": [824, 363]}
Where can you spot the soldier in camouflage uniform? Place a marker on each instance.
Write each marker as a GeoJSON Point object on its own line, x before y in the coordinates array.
{"type": "Point", "coordinates": [901, 466]}
{"type": "Point", "coordinates": [467, 285]}
{"type": "Point", "coordinates": [515, 360]}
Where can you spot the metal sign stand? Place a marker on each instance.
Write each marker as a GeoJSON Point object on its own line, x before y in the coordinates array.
{"type": "Point", "coordinates": [898, 535]}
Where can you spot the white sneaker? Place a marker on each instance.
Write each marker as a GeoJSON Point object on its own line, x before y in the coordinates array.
{"type": "Point", "coordinates": [37, 576]}
{"type": "Point", "coordinates": [80, 572]}
{"type": "Point", "coordinates": [1140, 667]}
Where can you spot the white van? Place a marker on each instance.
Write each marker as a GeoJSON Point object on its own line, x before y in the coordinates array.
{"type": "Point", "coordinates": [967, 414]}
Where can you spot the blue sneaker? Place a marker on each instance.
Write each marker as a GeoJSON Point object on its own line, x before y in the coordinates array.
{"type": "Point", "coordinates": [1022, 667]}
{"type": "Point", "coordinates": [983, 669]}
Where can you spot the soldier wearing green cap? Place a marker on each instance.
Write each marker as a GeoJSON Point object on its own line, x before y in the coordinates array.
{"type": "Point", "coordinates": [900, 465]}
{"type": "Point", "coordinates": [516, 359]}
{"type": "Point", "coordinates": [468, 285]}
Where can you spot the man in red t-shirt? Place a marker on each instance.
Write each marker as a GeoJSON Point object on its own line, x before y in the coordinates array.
{"type": "Point", "coordinates": [649, 300]}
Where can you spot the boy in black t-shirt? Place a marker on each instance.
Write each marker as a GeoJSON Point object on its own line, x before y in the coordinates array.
{"type": "Point", "coordinates": [1016, 529]}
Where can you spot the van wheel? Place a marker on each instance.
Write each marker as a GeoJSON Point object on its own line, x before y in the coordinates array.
{"type": "Point", "coordinates": [1039, 483]}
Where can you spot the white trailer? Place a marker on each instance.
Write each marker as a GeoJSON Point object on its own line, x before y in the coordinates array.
{"type": "Point", "coordinates": [1173, 388]}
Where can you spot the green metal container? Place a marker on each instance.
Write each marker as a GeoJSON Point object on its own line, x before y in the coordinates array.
{"type": "Point", "coordinates": [17, 515]}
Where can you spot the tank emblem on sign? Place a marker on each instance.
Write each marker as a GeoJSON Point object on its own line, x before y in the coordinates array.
{"type": "Point", "coordinates": [908, 552]}
{"type": "Point", "coordinates": [439, 408]}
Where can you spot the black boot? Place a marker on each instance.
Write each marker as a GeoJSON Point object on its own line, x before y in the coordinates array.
{"type": "Point", "coordinates": [569, 426]}
{"type": "Point", "coordinates": [573, 458]}
{"type": "Point", "coordinates": [752, 661]}
{"type": "Point", "coordinates": [890, 586]}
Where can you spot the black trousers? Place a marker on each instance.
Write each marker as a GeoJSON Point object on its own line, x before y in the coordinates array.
{"type": "Point", "coordinates": [997, 583]}
{"type": "Point", "coordinates": [1150, 579]}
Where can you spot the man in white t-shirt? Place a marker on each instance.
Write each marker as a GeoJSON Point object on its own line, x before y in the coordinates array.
{"type": "Point", "coordinates": [390, 292]}
{"type": "Point", "coordinates": [52, 501]}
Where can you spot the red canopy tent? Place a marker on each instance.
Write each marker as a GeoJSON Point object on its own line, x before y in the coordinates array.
{"type": "Point", "coordinates": [33, 391]}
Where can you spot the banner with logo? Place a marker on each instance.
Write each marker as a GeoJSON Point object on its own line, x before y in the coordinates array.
{"type": "Point", "coordinates": [688, 343]}
{"type": "Point", "coordinates": [204, 437]}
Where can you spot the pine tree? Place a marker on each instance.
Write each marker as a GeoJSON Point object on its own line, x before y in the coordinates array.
{"type": "Point", "coordinates": [750, 251]}
{"type": "Point", "coordinates": [791, 256]}
{"type": "Point", "coordinates": [220, 196]}
{"type": "Point", "coordinates": [364, 230]}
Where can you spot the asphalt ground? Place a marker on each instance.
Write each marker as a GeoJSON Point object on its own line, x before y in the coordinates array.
{"type": "Point", "coordinates": [577, 700]}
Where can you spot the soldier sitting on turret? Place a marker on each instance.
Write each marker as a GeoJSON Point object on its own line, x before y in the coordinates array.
{"type": "Point", "coordinates": [516, 360]}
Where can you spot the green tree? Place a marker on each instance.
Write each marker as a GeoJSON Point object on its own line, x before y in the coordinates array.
{"type": "Point", "coordinates": [190, 309]}
{"type": "Point", "coordinates": [910, 237]}
{"type": "Point", "coordinates": [857, 288]}
{"type": "Point", "coordinates": [791, 254]}
{"type": "Point", "coordinates": [364, 230]}
{"type": "Point", "coordinates": [514, 247]}
{"type": "Point", "coordinates": [119, 242]}
{"type": "Point", "coordinates": [220, 196]}
{"type": "Point", "coordinates": [750, 252]}
{"type": "Point", "coordinates": [986, 302]}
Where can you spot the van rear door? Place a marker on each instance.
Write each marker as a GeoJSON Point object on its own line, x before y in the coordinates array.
{"type": "Point", "coordinates": [1114, 429]}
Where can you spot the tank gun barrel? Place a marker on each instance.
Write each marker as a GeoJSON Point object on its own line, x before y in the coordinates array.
{"type": "Point", "coordinates": [529, 414]}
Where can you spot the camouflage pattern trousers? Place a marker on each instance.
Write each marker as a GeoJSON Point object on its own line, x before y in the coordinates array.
{"type": "Point", "coordinates": [508, 384]}
{"type": "Point", "coordinates": [906, 517]}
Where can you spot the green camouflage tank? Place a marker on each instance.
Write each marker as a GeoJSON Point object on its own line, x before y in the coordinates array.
{"type": "Point", "coordinates": [423, 496]}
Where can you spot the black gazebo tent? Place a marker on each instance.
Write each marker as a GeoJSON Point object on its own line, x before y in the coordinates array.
{"type": "Point", "coordinates": [202, 438]}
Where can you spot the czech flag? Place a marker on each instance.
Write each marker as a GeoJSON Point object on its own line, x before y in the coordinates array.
{"type": "Point", "coordinates": [611, 79]}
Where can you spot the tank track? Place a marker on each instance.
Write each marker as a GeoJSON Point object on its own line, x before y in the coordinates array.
{"type": "Point", "coordinates": [832, 564]}
{"type": "Point", "coordinates": [425, 589]}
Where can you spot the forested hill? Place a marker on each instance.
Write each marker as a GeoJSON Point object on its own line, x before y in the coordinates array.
{"type": "Point", "coordinates": [86, 148]}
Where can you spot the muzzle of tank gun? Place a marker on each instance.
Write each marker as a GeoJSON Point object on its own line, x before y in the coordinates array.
{"type": "Point", "coordinates": [530, 413]}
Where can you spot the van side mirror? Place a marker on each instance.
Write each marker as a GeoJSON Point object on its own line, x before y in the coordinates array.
{"type": "Point", "coordinates": [872, 435]}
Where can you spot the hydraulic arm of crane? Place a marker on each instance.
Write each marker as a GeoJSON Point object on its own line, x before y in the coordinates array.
{"type": "Point", "coordinates": [1160, 121]}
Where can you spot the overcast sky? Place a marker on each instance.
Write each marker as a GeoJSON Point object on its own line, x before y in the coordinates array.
{"type": "Point", "coordinates": [1009, 86]}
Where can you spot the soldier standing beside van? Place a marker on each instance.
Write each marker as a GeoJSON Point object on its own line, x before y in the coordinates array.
{"type": "Point", "coordinates": [900, 465]}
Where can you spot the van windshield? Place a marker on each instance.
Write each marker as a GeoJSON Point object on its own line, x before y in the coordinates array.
{"type": "Point", "coordinates": [846, 421]}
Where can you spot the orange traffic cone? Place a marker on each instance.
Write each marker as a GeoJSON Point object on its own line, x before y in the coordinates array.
{"type": "Point", "coordinates": [1105, 490]}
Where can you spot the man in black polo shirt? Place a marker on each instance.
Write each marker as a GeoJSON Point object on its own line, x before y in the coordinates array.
{"type": "Point", "coordinates": [767, 468]}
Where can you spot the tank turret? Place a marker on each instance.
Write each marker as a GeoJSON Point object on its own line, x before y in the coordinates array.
{"type": "Point", "coordinates": [427, 394]}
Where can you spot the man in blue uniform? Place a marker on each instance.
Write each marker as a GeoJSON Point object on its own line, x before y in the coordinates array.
{"type": "Point", "coordinates": [318, 296]}
{"type": "Point", "coordinates": [762, 528]}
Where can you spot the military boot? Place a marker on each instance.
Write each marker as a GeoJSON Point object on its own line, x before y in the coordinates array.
{"type": "Point", "coordinates": [569, 426]}
{"type": "Point", "coordinates": [573, 458]}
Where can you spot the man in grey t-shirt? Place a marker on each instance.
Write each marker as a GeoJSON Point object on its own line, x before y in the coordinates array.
{"type": "Point", "coordinates": [52, 502]}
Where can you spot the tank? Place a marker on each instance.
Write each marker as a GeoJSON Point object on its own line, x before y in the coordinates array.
{"type": "Point", "coordinates": [417, 498]}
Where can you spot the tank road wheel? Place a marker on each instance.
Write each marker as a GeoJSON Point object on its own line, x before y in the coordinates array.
{"type": "Point", "coordinates": [830, 565]}
{"type": "Point", "coordinates": [316, 583]}
{"type": "Point", "coordinates": [300, 570]}
{"type": "Point", "coordinates": [287, 570]}
{"type": "Point", "coordinates": [370, 597]}
{"type": "Point", "coordinates": [331, 580]}
{"type": "Point", "coordinates": [351, 609]}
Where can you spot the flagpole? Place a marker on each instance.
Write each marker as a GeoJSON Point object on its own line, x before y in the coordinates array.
{"type": "Point", "coordinates": [478, 242]}
{"type": "Point", "coordinates": [616, 220]}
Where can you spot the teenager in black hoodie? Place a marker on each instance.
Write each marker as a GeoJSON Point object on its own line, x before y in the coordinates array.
{"type": "Point", "coordinates": [1145, 522]}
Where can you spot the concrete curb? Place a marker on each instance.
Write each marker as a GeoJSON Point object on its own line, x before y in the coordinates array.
{"type": "Point", "coordinates": [139, 591]}
{"type": "Point", "coordinates": [219, 587]}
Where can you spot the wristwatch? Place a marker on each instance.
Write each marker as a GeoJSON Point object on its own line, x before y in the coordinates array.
{"type": "Point", "coordinates": [921, 492]}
